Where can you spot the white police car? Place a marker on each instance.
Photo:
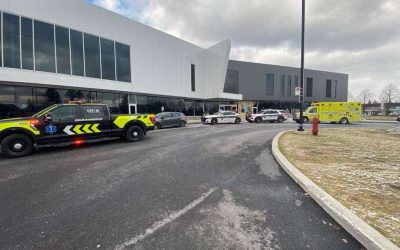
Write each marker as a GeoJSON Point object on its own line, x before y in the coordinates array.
{"type": "Point", "coordinates": [222, 117]}
{"type": "Point", "coordinates": [271, 115]}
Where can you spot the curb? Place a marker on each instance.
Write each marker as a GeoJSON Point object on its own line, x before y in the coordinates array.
{"type": "Point", "coordinates": [376, 121]}
{"type": "Point", "coordinates": [359, 229]}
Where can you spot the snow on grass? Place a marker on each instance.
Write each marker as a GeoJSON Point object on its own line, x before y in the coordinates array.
{"type": "Point", "coordinates": [359, 167]}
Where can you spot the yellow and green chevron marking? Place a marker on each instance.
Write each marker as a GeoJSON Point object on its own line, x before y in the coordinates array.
{"type": "Point", "coordinates": [80, 129]}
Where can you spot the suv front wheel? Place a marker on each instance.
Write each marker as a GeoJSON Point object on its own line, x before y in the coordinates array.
{"type": "Point", "coordinates": [17, 145]}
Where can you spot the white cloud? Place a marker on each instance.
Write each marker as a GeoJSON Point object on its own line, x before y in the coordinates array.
{"type": "Point", "coordinates": [361, 38]}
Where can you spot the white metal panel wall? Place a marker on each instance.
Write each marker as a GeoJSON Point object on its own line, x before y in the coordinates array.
{"type": "Point", "coordinates": [160, 63]}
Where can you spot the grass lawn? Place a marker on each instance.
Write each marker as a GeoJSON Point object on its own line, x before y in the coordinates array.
{"type": "Point", "coordinates": [359, 167]}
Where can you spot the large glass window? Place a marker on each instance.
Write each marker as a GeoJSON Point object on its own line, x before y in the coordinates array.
{"type": "Point", "coordinates": [270, 85]}
{"type": "Point", "coordinates": [296, 81]}
{"type": "Point", "coordinates": [23, 96]}
{"type": "Point", "coordinates": [107, 59]}
{"type": "Point", "coordinates": [92, 56]}
{"type": "Point", "coordinates": [44, 47]}
{"type": "Point", "coordinates": [7, 94]}
{"type": "Point", "coordinates": [328, 88]}
{"type": "Point", "coordinates": [123, 62]}
{"type": "Point", "coordinates": [289, 87]}
{"type": "Point", "coordinates": [11, 41]}
{"type": "Point", "coordinates": [232, 82]}
{"type": "Point", "coordinates": [193, 76]}
{"type": "Point", "coordinates": [283, 85]}
{"type": "Point", "coordinates": [309, 90]}
{"type": "Point", "coordinates": [77, 53]}
{"type": "Point", "coordinates": [1, 35]}
{"type": "Point", "coordinates": [62, 50]}
{"type": "Point", "coordinates": [27, 43]}
{"type": "Point", "coordinates": [335, 82]}
{"type": "Point", "coordinates": [7, 102]}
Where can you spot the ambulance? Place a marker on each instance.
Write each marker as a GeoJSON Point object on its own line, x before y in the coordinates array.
{"type": "Point", "coordinates": [341, 112]}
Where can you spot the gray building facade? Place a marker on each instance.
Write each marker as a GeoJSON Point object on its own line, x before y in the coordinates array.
{"type": "Point", "coordinates": [273, 86]}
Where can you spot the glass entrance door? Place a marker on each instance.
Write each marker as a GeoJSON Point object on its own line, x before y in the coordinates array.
{"type": "Point", "coordinates": [132, 109]}
{"type": "Point", "coordinates": [228, 107]}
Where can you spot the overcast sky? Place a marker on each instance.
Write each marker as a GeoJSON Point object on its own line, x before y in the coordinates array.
{"type": "Point", "coordinates": [357, 37]}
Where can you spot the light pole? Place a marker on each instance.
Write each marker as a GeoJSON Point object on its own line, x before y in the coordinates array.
{"type": "Point", "coordinates": [302, 66]}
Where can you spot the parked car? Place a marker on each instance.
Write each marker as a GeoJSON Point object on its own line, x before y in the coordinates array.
{"type": "Point", "coordinates": [222, 117]}
{"type": "Point", "coordinates": [398, 118]}
{"type": "Point", "coordinates": [285, 114]}
{"type": "Point", "coordinates": [170, 119]}
{"type": "Point", "coordinates": [271, 115]}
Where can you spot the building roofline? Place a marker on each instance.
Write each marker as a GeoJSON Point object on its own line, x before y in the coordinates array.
{"type": "Point", "coordinates": [275, 65]}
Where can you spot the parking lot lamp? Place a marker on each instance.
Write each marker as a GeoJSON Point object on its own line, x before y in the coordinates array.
{"type": "Point", "coordinates": [302, 67]}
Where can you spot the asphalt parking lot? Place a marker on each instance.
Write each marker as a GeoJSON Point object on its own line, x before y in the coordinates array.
{"type": "Point", "coordinates": [198, 187]}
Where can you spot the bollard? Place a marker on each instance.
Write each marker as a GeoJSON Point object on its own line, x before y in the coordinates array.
{"type": "Point", "coordinates": [315, 122]}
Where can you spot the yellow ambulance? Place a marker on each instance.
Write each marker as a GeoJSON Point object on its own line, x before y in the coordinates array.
{"type": "Point", "coordinates": [341, 112]}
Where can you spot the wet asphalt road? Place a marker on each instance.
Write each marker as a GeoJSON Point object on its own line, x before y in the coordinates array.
{"type": "Point", "coordinates": [199, 187]}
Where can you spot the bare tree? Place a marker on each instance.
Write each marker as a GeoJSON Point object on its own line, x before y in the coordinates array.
{"type": "Point", "coordinates": [389, 95]}
{"type": "Point", "coordinates": [350, 96]}
{"type": "Point", "coordinates": [365, 96]}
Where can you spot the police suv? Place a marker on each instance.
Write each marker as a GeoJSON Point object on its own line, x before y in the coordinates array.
{"type": "Point", "coordinates": [271, 115]}
{"type": "Point", "coordinates": [69, 124]}
{"type": "Point", "coordinates": [222, 117]}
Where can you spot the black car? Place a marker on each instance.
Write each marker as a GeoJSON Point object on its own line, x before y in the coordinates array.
{"type": "Point", "coordinates": [398, 119]}
{"type": "Point", "coordinates": [170, 119]}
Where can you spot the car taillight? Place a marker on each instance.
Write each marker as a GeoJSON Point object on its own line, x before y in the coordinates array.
{"type": "Point", "coordinates": [153, 119]}
{"type": "Point", "coordinates": [33, 123]}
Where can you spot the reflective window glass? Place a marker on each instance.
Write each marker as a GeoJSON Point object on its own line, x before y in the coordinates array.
{"type": "Point", "coordinates": [282, 85]}
{"type": "Point", "coordinates": [107, 59]}
{"type": "Point", "coordinates": [23, 96]}
{"type": "Point", "coordinates": [94, 111]}
{"type": "Point", "coordinates": [62, 50]}
{"type": "Point", "coordinates": [64, 113]}
{"type": "Point", "coordinates": [1, 35]}
{"type": "Point", "coordinates": [328, 88]}
{"type": "Point", "coordinates": [123, 62]}
{"type": "Point", "coordinates": [270, 85]}
{"type": "Point", "coordinates": [309, 92]}
{"type": "Point", "coordinates": [77, 53]}
{"type": "Point", "coordinates": [7, 94]}
{"type": "Point", "coordinates": [11, 41]}
{"type": "Point", "coordinates": [44, 47]}
{"type": "Point", "coordinates": [193, 77]}
{"type": "Point", "coordinates": [92, 56]}
{"type": "Point", "coordinates": [27, 43]}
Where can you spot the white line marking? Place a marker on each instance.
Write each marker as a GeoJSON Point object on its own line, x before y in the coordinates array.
{"type": "Point", "coordinates": [159, 224]}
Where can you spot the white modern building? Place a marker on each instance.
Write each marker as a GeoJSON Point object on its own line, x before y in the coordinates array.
{"type": "Point", "coordinates": [55, 51]}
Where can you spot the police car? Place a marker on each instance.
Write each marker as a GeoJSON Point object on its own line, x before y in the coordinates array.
{"type": "Point", "coordinates": [222, 117]}
{"type": "Point", "coordinates": [69, 124]}
{"type": "Point", "coordinates": [271, 115]}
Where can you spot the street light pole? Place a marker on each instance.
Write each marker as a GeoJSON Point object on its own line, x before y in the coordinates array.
{"type": "Point", "coordinates": [302, 66]}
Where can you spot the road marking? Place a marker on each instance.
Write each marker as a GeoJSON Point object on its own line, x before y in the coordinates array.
{"type": "Point", "coordinates": [68, 131]}
{"type": "Point", "coordinates": [159, 224]}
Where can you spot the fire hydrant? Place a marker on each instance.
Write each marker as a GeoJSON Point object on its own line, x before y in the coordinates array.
{"type": "Point", "coordinates": [315, 122]}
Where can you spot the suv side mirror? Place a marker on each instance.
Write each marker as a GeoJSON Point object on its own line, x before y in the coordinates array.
{"type": "Point", "coordinates": [47, 118]}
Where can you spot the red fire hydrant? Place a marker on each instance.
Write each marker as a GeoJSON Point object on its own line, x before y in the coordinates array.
{"type": "Point", "coordinates": [315, 122]}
